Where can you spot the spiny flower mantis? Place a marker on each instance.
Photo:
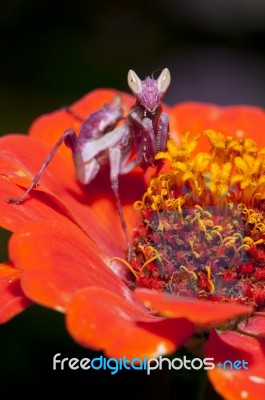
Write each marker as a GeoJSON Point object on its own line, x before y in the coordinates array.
{"type": "Point", "coordinates": [135, 141]}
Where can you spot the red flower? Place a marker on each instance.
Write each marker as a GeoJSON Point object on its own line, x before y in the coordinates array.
{"type": "Point", "coordinates": [65, 236]}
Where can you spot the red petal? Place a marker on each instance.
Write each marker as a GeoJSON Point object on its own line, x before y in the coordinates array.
{"type": "Point", "coordinates": [57, 259]}
{"type": "Point", "coordinates": [104, 321]}
{"type": "Point", "coordinates": [12, 299]}
{"type": "Point", "coordinates": [93, 208]}
{"type": "Point", "coordinates": [260, 313]}
{"type": "Point", "coordinates": [100, 198]}
{"type": "Point", "coordinates": [237, 384]}
{"type": "Point", "coordinates": [200, 312]}
{"type": "Point", "coordinates": [12, 217]}
{"type": "Point", "coordinates": [231, 120]}
{"type": "Point", "coordinates": [96, 98]}
{"type": "Point", "coordinates": [253, 326]}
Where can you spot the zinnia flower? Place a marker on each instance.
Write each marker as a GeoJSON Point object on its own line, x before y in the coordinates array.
{"type": "Point", "coordinates": [198, 232]}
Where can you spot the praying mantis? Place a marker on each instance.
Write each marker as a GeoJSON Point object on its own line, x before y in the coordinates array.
{"type": "Point", "coordinates": [101, 140]}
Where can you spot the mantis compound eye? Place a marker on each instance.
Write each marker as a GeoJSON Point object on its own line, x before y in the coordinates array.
{"type": "Point", "coordinates": [134, 83]}
{"type": "Point", "coordinates": [163, 81]}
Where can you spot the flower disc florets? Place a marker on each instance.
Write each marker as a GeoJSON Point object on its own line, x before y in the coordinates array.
{"type": "Point", "coordinates": [202, 231]}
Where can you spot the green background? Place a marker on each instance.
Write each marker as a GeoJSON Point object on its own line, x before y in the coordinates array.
{"type": "Point", "coordinates": [52, 53]}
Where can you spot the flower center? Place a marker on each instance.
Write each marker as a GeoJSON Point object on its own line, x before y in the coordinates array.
{"type": "Point", "coordinates": [202, 227]}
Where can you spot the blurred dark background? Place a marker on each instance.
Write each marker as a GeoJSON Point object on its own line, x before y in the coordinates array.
{"type": "Point", "coordinates": [52, 53]}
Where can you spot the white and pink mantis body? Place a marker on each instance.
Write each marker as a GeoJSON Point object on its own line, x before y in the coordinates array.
{"type": "Point", "coordinates": [135, 141]}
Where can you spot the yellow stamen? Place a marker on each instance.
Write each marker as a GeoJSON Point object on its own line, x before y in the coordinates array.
{"type": "Point", "coordinates": [148, 262]}
{"type": "Point", "coordinates": [196, 255]}
{"type": "Point", "coordinates": [127, 265]}
{"type": "Point", "coordinates": [191, 273]}
{"type": "Point", "coordinates": [209, 275]}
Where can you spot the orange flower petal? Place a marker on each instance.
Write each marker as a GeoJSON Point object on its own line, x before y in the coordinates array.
{"type": "Point", "coordinates": [95, 99]}
{"type": "Point", "coordinates": [12, 299]}
{"type": "Point", "coordinates": [92, 207]}
{"type": "Point", "coordinates": [246, 381]}
{"type": "Point", "coordinates": [12, 217]}
{"type": "Point", "coordinates": [101, 200]}
{"type": "Point", "coordinates": [102, 320]}
{"type": "Point", "coordinates": [231, 120]}
{"type": "Point", "coordinates": [200, 312]}
{"type": "Point", "coordinates": [253, 326]}
{"type": "Point", "coordinates": [57, 259]}
{"type": "Point", "coordinates": [50, 127]}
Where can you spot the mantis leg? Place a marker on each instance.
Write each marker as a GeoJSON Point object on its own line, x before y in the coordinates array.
{"type": "Point", "coordinates": [116, 168]}
{"type": "Point", "coordinates": [162, 132]}
{"type": "Point", "coordinates": [70, 138]}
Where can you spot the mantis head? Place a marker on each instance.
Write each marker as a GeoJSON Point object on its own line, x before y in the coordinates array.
{"type": "Point", "coordinates": [149, 92]}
